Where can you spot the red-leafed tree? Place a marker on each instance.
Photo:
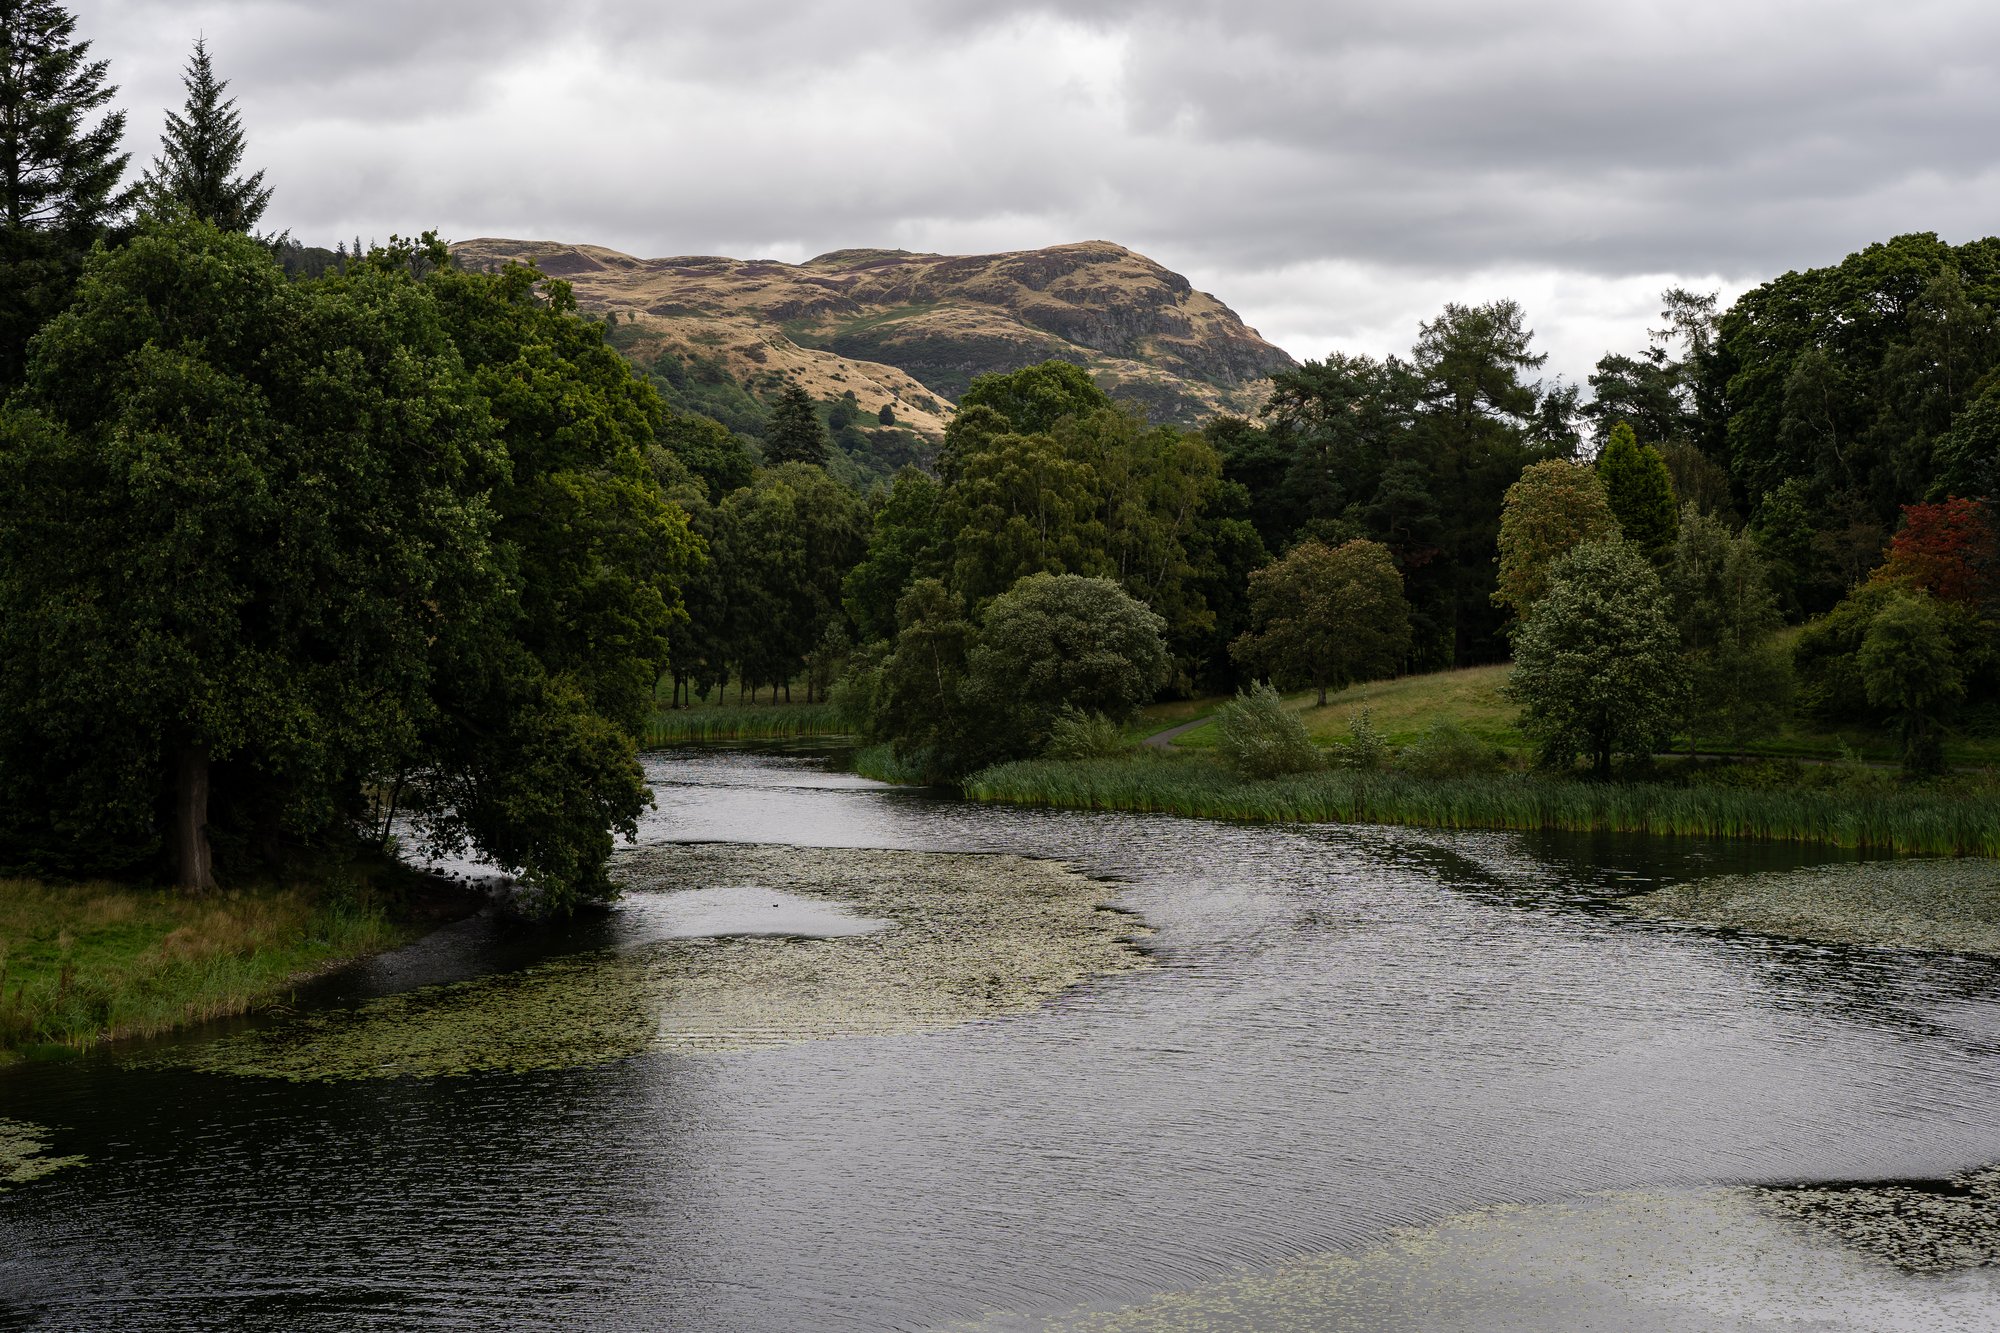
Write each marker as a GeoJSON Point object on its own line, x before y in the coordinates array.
{"type": "Point", "coordinates": [1950, 550]}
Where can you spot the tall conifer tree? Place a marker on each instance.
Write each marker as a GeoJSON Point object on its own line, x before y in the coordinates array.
{"type": "Point", "coordinates": [795, 434]}
{"type": "Point", "coordinates": [1641, 491]}
{"type": "Point", "coordinates": [59, 175]}
{"type": "Point", "coordinates": [201, 151]}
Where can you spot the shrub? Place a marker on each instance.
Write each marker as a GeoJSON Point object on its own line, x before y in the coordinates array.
{"type": "Point", "coordinates": [1447, 750]}
{"type": "Point", "coordinates": [1262, 738]}
{"type": "Point", "coordinates": [1366, 747]}
{"type": "Point", "coordinates": [1079, 735]}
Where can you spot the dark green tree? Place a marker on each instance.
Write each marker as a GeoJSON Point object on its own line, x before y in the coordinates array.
{"type": "Point", "coordinates": [1060, 641]}
{"type": "Point", "coordinates": [1739, 676]}
{"type": "Point", "coordinates": [795, 433]}
{"type": "Point", "coordinates": [200, 154]}
{"type": "Point", "coordinates": [905, 542]}
{"type": "Point", "coordinates": [1597, 664]}
{"type": "Point", "coordinates": [1911, 671]}
{"type": "Point", "coordinates": [1326, 617]}
{"type": "Point", "coordinates": [534, 759]}
{"type": "Point", "coordinates": [1640, 491]}
{"type": "Point", "coordinates": [1034, 399]}
{"type": "Point", "coordinates": [920, 697]}
{"type": "Point", "coordinates": [59, 174]}
{"type": "Point", "coordinates": [710, 451]}
{"type": "Point", "coordinates": [1021, 505]}
{"type": "Point", "coordinates": [241, 515]}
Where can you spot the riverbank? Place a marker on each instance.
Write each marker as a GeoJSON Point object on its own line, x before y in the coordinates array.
{"type": "Point", "coordinates": [1937, 821]}
{"type": "Point", "coordinates": [86, 963]}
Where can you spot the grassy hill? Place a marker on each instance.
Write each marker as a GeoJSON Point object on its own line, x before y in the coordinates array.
{"type": "Point", "coordinates": [1404, 708]}
{"type": "Point", "coordinates": [910, 331]}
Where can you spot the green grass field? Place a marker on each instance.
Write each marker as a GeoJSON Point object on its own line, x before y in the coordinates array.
{"type": "Point", "coordinates": [1404, 708]}
{"type": "Point", "coordinates": [82, 963]}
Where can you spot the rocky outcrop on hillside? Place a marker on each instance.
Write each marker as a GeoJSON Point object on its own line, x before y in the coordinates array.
{"type": "Point", "coordinates": [912, 330]}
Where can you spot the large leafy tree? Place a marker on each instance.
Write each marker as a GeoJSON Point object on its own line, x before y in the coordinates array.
{"type": "Point", "coordinates": [1035, 398]}
{"type": "Point", "coordinates": [240, 515]}
{"type": "Point", "coordinates": [791, 536]}
{"type": "Point", "coordinates": [1597, 665]}
{"type": "Point", "coordinates": [1023, 504]}
{"type": "Point", "coordinates": [1555, 507]}
{"type": "Point", "coordinates": [1416, 454]}
{"type": "Point", "coordinates": [534, 760]}
{"type": "Point", "coordinates": [201, 152]}
{"type": "Point", "coordinates": [1912, 672]}
{"type": "Point", "coordinates": [1056, 641]}
{"type": "Point", "coordinates": [1327, 616]}
{"type": "Point", "coordinates": [59, 172]}
{"type": "Point", "coordinates": [920, 697]}
{"type": "Point", "coordinates": [1849, 382]}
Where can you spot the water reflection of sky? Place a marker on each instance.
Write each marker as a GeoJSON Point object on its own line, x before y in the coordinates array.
{"type": "Point", "coordinates": [1352, 1029]}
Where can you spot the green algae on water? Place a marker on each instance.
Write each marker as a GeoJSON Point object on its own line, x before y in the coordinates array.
{"type": "Point", "coordinates": [24, 1154]}
{"type": "Point", "coordinates": [974, 937]}
{"type": "Point", "coordinates": [1949, 905]}
{"type": "Point", "coordinates": [1920, 1227]}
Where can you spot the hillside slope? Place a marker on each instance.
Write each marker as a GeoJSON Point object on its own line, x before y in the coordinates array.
{"type": "Point", "coordinates": [910, 331]}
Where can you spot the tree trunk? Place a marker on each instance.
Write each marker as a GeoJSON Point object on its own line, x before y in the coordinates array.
{"type": "Point", "coordinates": [191, 849]}
{"type": "Point", "coordinates": [1322, 694]}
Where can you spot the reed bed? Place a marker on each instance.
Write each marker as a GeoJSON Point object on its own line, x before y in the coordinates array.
{"type": "Point", "coordinates": [880, 763]}
{"type": "Point", "coordinates": [1911, 821]}
{"type": "Point", "coordinates": [744, 722]}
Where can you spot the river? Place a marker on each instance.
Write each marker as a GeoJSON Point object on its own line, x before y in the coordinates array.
{"type": "Point", "coordinates": [1299, 1065]}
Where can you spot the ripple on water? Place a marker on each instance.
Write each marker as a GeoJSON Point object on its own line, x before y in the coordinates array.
{"type": "Point", "coordinates": [734, 947]}
{"type": "Point", "coordinates": [1706, 1261]}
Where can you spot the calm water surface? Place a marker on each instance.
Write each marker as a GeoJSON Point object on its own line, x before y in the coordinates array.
{"type": "Point", "coordinates": [1350, 1030]}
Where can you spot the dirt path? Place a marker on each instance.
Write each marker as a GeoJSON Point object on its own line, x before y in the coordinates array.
{"type": "Point", "coordinates": [1161, 740]}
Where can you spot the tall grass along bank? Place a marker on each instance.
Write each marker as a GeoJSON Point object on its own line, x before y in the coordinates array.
{"type": "Point", "coordinates": [744, 722]}
{"type": "Point", "coordinates": [1912, 821]}
{"type": "Point", "coordinates": [82, 963]}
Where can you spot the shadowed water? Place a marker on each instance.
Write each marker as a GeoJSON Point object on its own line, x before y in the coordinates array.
{"type": "Point", "coordinates": [1345, 1031]}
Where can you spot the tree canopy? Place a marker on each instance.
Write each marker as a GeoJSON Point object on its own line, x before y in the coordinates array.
{"type": "Point", "coordinates": [1555, 507]}
{"type": "Point", "coordinates": [1597, 664]}
{"type": "Point", "coordinates": [1639, 490]}
{"type": "Point", "coordinates": [1327, 616]}
{"type": "Point", "coordinates": [273, 549]}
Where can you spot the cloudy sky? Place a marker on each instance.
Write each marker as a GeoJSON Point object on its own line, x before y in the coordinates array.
{"type": "Point", "coordinates": [1334, 171]}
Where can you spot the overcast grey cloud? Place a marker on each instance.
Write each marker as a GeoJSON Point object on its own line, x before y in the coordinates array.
{"type": "Point", "coordinates": [1334, 171]}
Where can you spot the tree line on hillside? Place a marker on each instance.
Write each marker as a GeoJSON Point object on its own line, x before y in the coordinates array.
{"type": "Point", "coordinates": [291, 549]}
